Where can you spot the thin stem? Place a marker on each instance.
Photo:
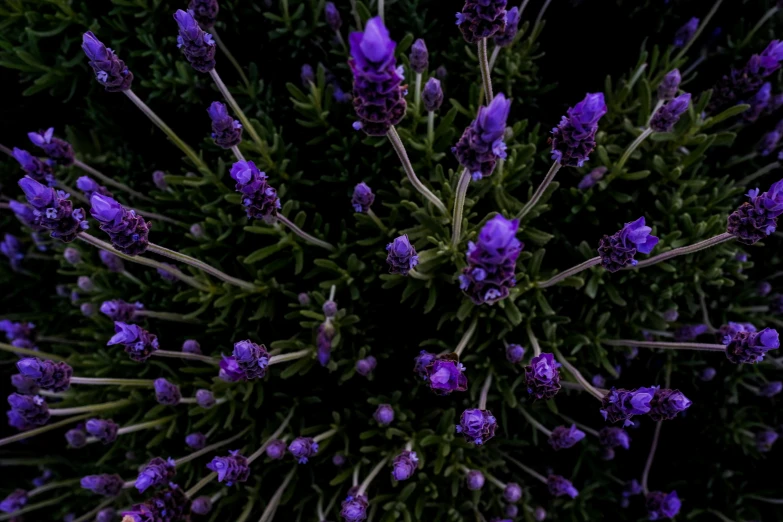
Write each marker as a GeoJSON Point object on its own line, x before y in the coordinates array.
{"type": "Point", "coordinates": [325, 435]}
{"type": "Point", "coordinates": [578, 376]}
{"type": "Point", "coordinates": [533, 341]}
{"type": "Point", "coordinates": [484, 392]}
{"type": "Point", "coordinates": [541, 12]}
{"type": "Point", "coordinates": [304, 235]}
{"type": "Point", "coordinates": [373, 473]}
{"type": "Point", "coordinates": [618, 167]}
{"type": "Point", "coordinates": [91, 515]}
{"type": "Point", "coordinates": [750, 309]}
{"type": "Point", "coordinates": [705, 315]}
{"type": "Point", "coordinates": [763, 170]}
{"type": "Point", "coordinates": [377, 220]}
{"type": "Point", "coordinates": [701, 245]}
{"type": "Point", "coordinates": [651, 456]}
{"type": "Point", "coordinates": [466, 337]}
{"type": "Point", "coordinates": [486, 79]}
{"type": "Point", "coordinates": [230, 58]}
{"type": "Point", "coordinates": [188, 400]}
{"type": "Point", "coordinates": [493, 479]}
{"type": "Point", "coordinates": [166, 316]}
{"type": "Point", "coordinates": [237, 110]}
{"type": "Point", "coordinates": [159, 217]}
{"type": "Point", "coordinates": [408, 167]}
{"type": "Point", "coordinates": [175, 272]}
{"type": "Point", "coordinates": [430, 129]}
{"type": "Point", "coordinates": [43, 429]}
{"type": "Point", "coordinates": [108, 381]}
{"type": "Point", "coordinates": [540, 190]}
{"type": "Point", "coordinates": [540, 427]}
{"type": "Point", "coordinates": [30, 353]}
{"type": "Point", "coordinates": [109, 181]}
{"type": "Point", "coordinates": [133, 428]}
{"type": "Point", "coordinates": [766, 499]}
{"type": "Point", "coordinates": [277, 359]}
{"type": "Point", "coordinates": [702, 25]}
{"type": "Point", "coordinates": [666, 346]}
{"type": "Point", "coordinates": [356, 18]}
{"type": "Point", "coordinates": [355, 476]}
{"type": "Point", "coordinates": [568, 273]}
{"type": "Point", "coordinates": [493, 57]}
{"type": "Point", "coordinates": [200, 485]}
{"type": "Point", "coordinates": [381, 11]}
{"type": "Point", "coordinates": [417, 94]}
{"type": "Point", "coordinates": [459, 205]}
{"type": "Point", "coordinates": [268, 513]}
{"type": "Point", "coordinates": [524, 468]}
{"type": "Point", "coordinates": [210, 448]}
{"type": "Point", "coordinates": [579, 425]}
{"type": "Point", "coordinates": [50, 486]}
{"type": "Point", "coordinates": [185, 355]}
{"type": "Point", "coordinates": [275, 435]}
{"type": "Point", "coordinates": [91, 408]}
{"type": "Point", "coordinates": [237, 153]}
{"type": "Point", "coordinates": [132, 278]}
{"type": "Point", "coordinates": [182, 258]}
{"type": "Point", "coordinates": [34, 507]}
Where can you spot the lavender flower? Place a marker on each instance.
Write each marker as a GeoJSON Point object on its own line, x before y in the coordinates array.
{"type": "Point", "coordinates": [685, 33]}
{"type": "Point", "coordinates": [614, 437]}
{"type": "Point", "coordinates": [14, 502]}
{"type": "Point", "coordinates": [768, 143]}
{"type": "Point", "coordinates": [771, 389]}
{"type": "Point", "coordinates": [12, 249]}
{"type": "Point", "coordinates": [564, 438]}
{"type": "Point", "coordinates": [621, 405]}
{"type": "Point", "coordinates": [276, 450]}
{"type": "Point", "coordinates": [252, 359]}
{"type": "Point", "coordinates": [323, 341]}
{"type": "Point", "coordinates": [542, 376]}
{"type": "Point", "coordinates": [191, 346]}
{"type": "Point", "coordinates": [739, 83]}
{"type": "Point", "coordinates": [258, 197]}
{"type": "Point", "coordinates": [432, 95]}
{"type": "Point", "coordinates": [196, 440]}
{"type": "Point", "coordinates": [85, 284]}
{"type": "Point", "coordinates": [668, 115]}
{"type": "Point", "coordinates": [759, 103]}
{"type": "Point", "coordinates": [40, 171]}
{"type": "Point", "coordinates": [662, 505]}
{"type": "Point", "coordinates": [511, 510]}
{"type": "Point", "coordinates": [365, 366]}
{"type": "Point", "coordinates": [166, 393]}
{"type": "Point", "coordinates": [106, 515]}
{"type": "Point", "coordinates": [667, 89]}
{"type": "Point", "coordinates": [72, 256]}
{"type": "Point", "coordinates": [362, 198]}
{"type": "Point", "coordinates": [475, 480]}
{"type": "Point", "coordinates": [89, 187]}
{"type": "Point", "coordinates": [307, 75]}
{"type": "Point", "coordinates": [753, 221]}
{"type": "Point", "coordinates": [512, 493]}
{"type": "Point", "coordinates": [489, 275]}
{"type": "Point", "coordinates": [338, 460]}
{"type": "Point", "coordinates": [377, 90]}
{"type": "Point", "coordinates": [53, 210]}
{"type": "Point", "coordinates": [25, 214]}
{"type": "Point", "coordinates": [419, 57]}
{"type": "Point", "coordinates": [201, 506]}
{"type": "Point", "coordinates": [666, 404]}
{"type": "Point", "coordinates": [197, 46]}
{"type": "Point", "coordinates": [446, 374]}
{"type": "Point", "coordinates": [49, 375]}
{"type": "Point", "coordinates": [505, 37]}
{"type": "Point", "coordinates": [24, 385]}
{"type": "Point", "coordinates": [32, 409]}
{"type": "Point", "coordinates": [205, 399]}
{"type": "Point", "coordinates": [423, 360]}
{"type": "Point", "coordinates": [165, 274]}
{"type": "Point", "coordinates": [539, 514]}
{"type": "Point", "coordinates": [671, 315]}
{"type": "Point", "coordinates": [481, 19]}
{"type": "Point", "coordinates": [59, 151]}
{"type": "Point", "coordinates": [354, 508]}
{"type": "Point", "coordinates": [750, 347]}
{"type": "Point", "coordinates": [157, 472]}
{"type": "Point", "coordinates": [129, 233]}
{"type": "Point", "coordinates": [330, 309]}
{"type": "Point", "coordinates": [404, 465]}
{"type": "Point", "coordinates": [103, 430]}
{"type": "Point", "coordinates": [592, 178]}
{"type": "Point", "coordinates": [226, 131]}
{"type": "Point", "coordinates": [481, 145]}
{"type": "Point", "coordinates": [138, 342]}
{"type": "Point", "coordinates": [384, 415]}
{"type": "Point", "coordinates": [514, 353]}
{"type": "Point", "coordinates": [765, 439]}
{"type": "Point", "coordinates": [618, 250]}
{"type": "Point", "coordinates": [205, 12]}
{"type": "Point", "coordinates": [402, 257]}
{"type": "Point", "coordinates": [110, 71]}
{"type": "Point", "coordinates": [76, 438]}
{"type": "Point", "coordinates": [598, 380]}
{"type": "Point", "coordinates": [333, 16]}
{"type": "Point", "coordinates": [106, 485]}
{"type": "Point", "coordinates": [230, 469]}
{"type": "Point", "coordinates": [559, 486]}
{"type": "Point", "coordinates": [169, 505]}
{"type": "Point", "coordinates": [689, 332]}
{"type": "Point", "coordinates": [119, 310]}
{"type": "Point", "coordinates": [574, 138]}
{"type": "Point", "coordinates": [159, 179]}
{"type": "Point", "coordinates": [708, 373]}
{"type": "Point", "coordinates": [477, 426]}
{"type": "Point", "coordinates": [303, 448]}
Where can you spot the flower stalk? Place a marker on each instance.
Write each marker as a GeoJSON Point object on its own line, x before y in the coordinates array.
{"type": "Point", "coordinates": [186, 355]}
{"type": "Point", "coordinates": [486, 79]}
{"type": "Point", "coordinates": [578, 376]}
{"type": "Point", "coordinates": [304, 235]}
{"type": "Point", "coordinates": [667, 346]}
{"type": "Point", "coordinates": [43, 429]}
{"type": "Point", "coordinates": [701, 245]}
{"type": "Point", "coordinates": [91, 408]}
{"type": "Point", "coordinates": [373, 473]}
{"type": "Point", "coordinates": [459, 205]}
{"type": "Point", "coordinates": [526, 469]}
{"type": "Point", "coordinates": [399, 148]}
{"type": "Point", "coordinates": [237, 110]}
{"type": "Point", "coordinates": [466, 337]}
{"type": "Point", "coordinates": [484, 393]}
{"type": "Point", "coordinates": [109, 181]}
{"type": "Point", "coordinates": [269, 512]}
{"type": "Point", "coordinates": [570, 272]}
{"type": "Point", "coordinates": [540, 190]}
{"type": "Point", "coordinates": [651, 456]}
{"type": "Point", "coordinates": [230, 58]}
{"type": "Point", "coordinates": [537, 425]}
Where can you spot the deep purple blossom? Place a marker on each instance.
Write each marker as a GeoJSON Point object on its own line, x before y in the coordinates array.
{"type": "Point", "coordinates": [592, 178]}
{"type": "Point", "coordinates": [14, 331]}
{"type": "Point", "coordinates": [76, 437]}
{"type": "Point", "coordinates": [354, 508]}
{"type": "Point", "coordinates": [667, 89]}
{"type": "Point", "coordinates": [24, 385]}
{"type": "Point", "coordinates": [196, 440]}
{"type": "Point", "coordinates": [689, 332]}
{"type": "Point", "coordinates": [613, 437]}
{"type": "Point", "coordinates": [365, 366]}
{"type": "Point", "coordinates": [128, 231]}
{"type": "Point", "coordinates": [205, 399]}
{"type": "Point", "coordinates": [505, 37]}
{"type": "Point", "coordinates": [598, 380]}
{"type": "Point", "coordinates": [662, 505]}
{"type": "Point", "coordinates": [621, 404]}
{"type": "Point", "coordinates": [157, 472]}
{"type": "Point", "coordinates": [750, 347]}
{"type": "Point", "coordinates": [764, 288]}
{"type": "Point", "coordinates": [404, 465]}
{"type": "Point", "coordinates": [542, 376]}
{"type": "Point", "coordinates": [539, 514]}
{"type": "Point", "coordinates": [514, 353]}
{"type": "Point", "coordinates": [138, 342]}
{"type": "Point", "coordinates": [481, 145]}
{"type": "Point", "coordinates": [759, 103]}
{"type": "Point", "coordinates": [708, 373]}
{"type": "Point", "coordinates": [109, 70]}
{"type": "Point", "coordinates": [323, 341]}
{"type": "Point", "coordinates": [201, 505]}
{"type": "Point", "coordinates": [574, 138]}
{"type": "Point", "coordinates": [481, 19]}
{"type": "Point", "coordinates": [770, 389]}
{"type": "Point", "coordinates": [11, 248]}
{"type": "Point", "coordinates": [165, 274]}
{"type": "Point", "coordinates": [89, 187]}
{"type": "Point", "coordinates": [106, 485]}
{"type": "Point", "coordinates": [446, 374]}
{"type": "Point", "coordinates": [563, 437]}
{"type": "Point", "coordinates": [31, 408]}
{"type": "Point", "coordinates": [432, 95]}
{"type": "Point", "coordinates": [303, 448]}
{"type": "Point", "coordinates": [669, 114]}
{"type": "Point", "coordinates": [276, 450]}
{"type": "Point", "coordinates": [419, 57]}
{"type": "Point", "coordinates": [168, 505]}
{"type": "Point", "coordinates": [384, 415]}
{"type": "Point", "coordinates": [14, 502]}
{"type": "Point", "coordinates": [769, 143]}
{"type": "Point", "coordinates": [230, 469]}
{"type": "Point", "coordinates": [338, 460]}
{"type": "Point", "coordinates": [492, 259]}
{"type": "Point", "coordinates": [559, 486]}
{"type": "Point", "coordinates": [757, 219]}
{"type": "Point", "coordinates": [378, 96]}
{"type": "Point", "coordinates": [329, 309]}
{"type": "Point", "coordinates": [421, 362]}
{"type": "Point", "coordinates": [48, 375]}
{"type": "Point", "coordinates": [59, 151]}
{"type": "Point", "coordinates": [252, 359]}
{"type": "Point", "coordinates": [477, 426]}
{"type": "Point", "coordinates": [731, 329]}
{"type": "Point", "coordinates": [475, 480]}
{"type": "Point", "coordinates": [332, 16]}
{"type": "Point", "coordinates": [167, 393]}
{"type": "Point", "coordinates": [307, 75]}
{"type": "Point", "coordinates": [258, 197]}
{"type": "Point", "coordinates": [619, 249]}
{"type": "Point", "coordinates": [741, 82]}
{"type": "Point", "coordinates": [26, 214]}
{"type": "Point", "coordinates": [226, 131]}
{"type": "Point", "coordinates": [402, 257]}
{"type": "Point", "coordinates": [159, 179]}
{"type": "Point", "coordinates": [666, 404]}
{"type": "Point", "coordinates": [53, 210]}
{"type": "Point", "coordinates": [105, 430]}
{"type": "Point", "coordinates": [512, 493]}
{"type": "Point", "coordinates": [197, 46]}
{"type": "Point", "coordinates": [191, 346]}
{"type": "Point", "coordinates": [204, 11]}
{"type": "Point", "coordinates": [40, 170]}
{"type": "Point", "coordinates": [362, 198]}
{"type": "Point", "coordinates": [685, 33]}
{"type": "Point", "coordinates": [119, 310]}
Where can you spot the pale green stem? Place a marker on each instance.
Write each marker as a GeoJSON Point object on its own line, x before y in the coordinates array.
{"type": "Point", "coordinates": [542, 11]}
{"type": "Point", "coordinates": [524, 468]}
{"type": "Point", "coordinates": [132, 278]}
{"type": "Point", "coordinates": [466, 337]}
{"type": "Point", "coordinates": [533, 341]}
{"type": "Point", "coordinates": [188, 400]}
{"type": "Point", "coordinates": [373, 473]}
{"type": "Point", "coordinates": [159, 217]}
{"type": "Point", "coordinates": [237, 110]}
{"type": "Point", "coordinates": [325, 435]}
{"type": "Point", "coordinates": [667, 346]}
{"type": "Point", "coordinates": [210, 448]}
{"type": "Point", "coordinates": [769, 14]}
{"type": "Point", "coordinates": [355, 12]}
{"type": "Point", "coordinates": [107, 381]}
{"type": "Point", "coordinates": [200, 485]}
{"type": "Point", "coordinates": [91, 408]}
{"type": "Point", "coordinates": [540, 190]}
{"type": "Point", "coordinates": [34, 507]}
{"type": "Point", "coordinates": [701, 245]}
{"type": "Point", "coordinates": [304, 235]}
{"type": "Point", "coordinates": [137, 427]}
{"type": "Point", "coordinates": [702, 25]}
{"type": "Point", "coordinates": [277, 359]}
{"type": "Point", "coordinates": [166, 316]}
{"type": "Point", "coordinates": [276, 435]}
{"type": "Point", "coordinates": [109, 181]}
{"type": "Point", "coordinates": [578, 376]}
{"type": "Point", "coordinates": [705, 316]}
{"type": "Point", "coordinates": [399, 148]}
{"type": "Point", "coordinates": [185, 355]}
{"type": "Point", "coordinates": [237, 153]}
{"type": "Point", "coordinates": [540, 427]}
{"type": "Point", "coordinates": [230, 57]}
{"type": "Point", "coordinates": [43, 429]}
{"type": "Point", "coordinates": [377, 220]}
{"type": "Point", "coordinates": [182, 258]}
{"type": "Point", "coordinates": [484, 393]}
{"type": "Point", "coordinates": [30, 353]}
{"type": "Point", "coordinates": [52, 485]}
{"type": "Point", "coordinates": [750, 309]}
{"type": "Point", "coordinates": [430, 128]}
{"type": "Point", "coordinates": [493, 57]}
{"type": "Point", "coordinates": [381, 11]}
{"type": "Point", "coordinates": [417, 94]}
{"type": "Point", "coordinates": [651, 456]}
{"type": "Point", "coordinates": [763, 170]}
{"type": "Point", "coordinates": [269, 512]}
{"type": "Point", "coordinates": [766, 499]}
{"type": "Point", "coordinates": [91, 515]}
{"type": "Point", "coordinates": [459, 206]}
{"type": "Point", "coordinates": [618, 167]}
{"type": "Point", "coordinates": [493, 479]}
{"type": "Point", "coordinates": [570, 272]}
{"type": "Point", "coordinates": [720, 515]}
{"type": "Point", "coordinates": [486, 79]}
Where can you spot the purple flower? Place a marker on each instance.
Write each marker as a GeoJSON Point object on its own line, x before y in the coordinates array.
{"type": "Point", "coordinates": [769, 142]}
{"type": "Point", "coordinates": [303, 448]}
{"type": "Point", "coordinates": [354, 508]}
{"type": "Point", "coordinates": [330, 309]}
{"type": "Point", "coordinates": [338, 459]}
{"type": "Point", "coordinates": [40, 171]}
{"type": "Point", "coordinates": [129, 233]}
{"type": "Point", "coordinates": [89, 187]}
{"type": "Point", "coordinates": [32, 409]}
{"type": "Point", "coordinates": [252, 359]}
{"type": "Point", "coordinates": [689, 332]}
{"type": "Point", "coordinates": [226, 131]}
{"type": "Point", "coordinates": [384, 415]}
{"type": "Point", "coordinates": [477, 426]}
{"type": "Point", "coordinates": [667, 89]}
{"type": "Point", "coordinates": [423, 360]}
{"type": "Point", "coordinates": [618, 250]}
{"type": "Point", "coordinates": [230, 370]}
{"type": "Point", "coordinates": [196, 230]}
{"type": "Point", "coordinates": [481, 145]}
{"type": "Point", "coordinates": [138, 342]}
{"type": "Point", "coordinates": [365, 366]}
{"type": "Point", "coordinates": [475, 480]}
{"type": "Point", "coordinates": [574, 138]}
{"type": "Point", "coordinates": [197, 46]}
{"type": "Point", "coordinates": [159, 179]}
{"type": "Point", "coordinates": [514, 353]}
{"type": "Point", "coordinates": [258, 197]}
{"type": "Point", "coordinates": [670, 315]}
{"type": "Point", "coordinates": [765, 439]}
{"type": "Point", "coordinates": [511, 510]}
{"type": "Point", "coordinates": [12, 249]}
{"type": "Point", "coordinates": [632, 488]}
{"type": "Point", "coordinates": [106, 485]}
{"type": "Point", "coordinates": [230, 469]}
{"type": "Point", "coordinates": [307, 75]}
{"type": "Point", "coordinates": [621, 404]}
{"type": "Point", "coordinates": [559, 486]}
{"type": "Point", "coordinates": [362, 198]}
{"type": "Point", "coordinates": [205, 12]}
{"type": "Point", "coordinates": [205, 399]}
{"type": "Point", "coordinates": [14, 501]}
{"type": "Point", "coordinates": [72, 256]}
{"type": "Point", "coordinates": [740, 83]}
{"type": "Point", "coordinates": [169, 505]}
{"type": "Point", "coordinates": [759, 103]}
{"type": "Point", "coordinates": [771, 389]}
{"type": "Point", "coordinates": [662, 505]}
{"type": "Point", "coordinates": [118, 310]}
{"type": "Point", "coordinates": [49, 375]}
{"type": "Point", "coordinates": [613, 437]}
{"type": "Point", "coordinates": [112, 262]}
{"type": "Point", "coordinates": [25, 214]}
{"type": "Point", "coordinates": [276, 450]}
{"type": "Point", "coordinates": [564, 438]}
{"type": "Point", "coordinates": [685, 33]}
{"type": "Point", "coordinates": [481, 19]}
{"type": "Point", "coordinates": [333, 16]}
{"type": "Point", "coordinates": [419, 57]}
{"type": "Point", "coordinates": [754, 221]}
{"type": "Point", "coordinates": [59, 151]}
{"type": "Point", "coordinates": [76, 438]}
{"type": "Point", "coordinates": [165, 274]}
{"type": "Point", "coordinates": [539, 514]}
{"type": "Point", "coordinates": [669, 114]}
{"type": "Point", "coordinates": [103, 430]}
{"type": "Point", "coordinates": [110, 71]}
{"type": "Point", "coordinates": [157, 472]}
{"type": "Point", "coordinates": [196, 440]}
{"type": "Point", "coordinates": [708, 373]}
{"type": "Point", "coordinates": [512, 493]}
{"type": "Point", "coordinates": [191, 346]}
{"type": "Point", "coordinates": [764, 288]}
{"type": "Point", "coordinates": [53, 210]}
{"type": "Point", "coordinates": [432, 95]}
{"type": "Point", "coordinates": [24, 385]}
{"type": "Point", "coordinates": [598, 380]}
{"type": "Point", "coordinates": [201, 505]}
{"type": "Point", "coordinates": [323, 341]}
{"type": "Point", "coordinates": [402, 256]}
{"type": "Point", "coordinates": [166, 393]}
{"type": "Point", "coordinates": [750, 347]}
{"type": "Point", "coordinates": [377, 90]}
{"type": "Point", "coordinates": [489, 275]}
{"type": "Point", "coordinates": [505, 36]}
{"type": "Point", "coordinates": [446, 374]}
{"type": "Point", "coordinates": [666, 404]}
{"type": "Point", "coordinates": [591, 178]}
{"type": "Point", "coordinates": [404, 465]}
{"type": "Point", "coordinates": [85, 284]}
{"type": "Point", "coordinates": [542, 376]}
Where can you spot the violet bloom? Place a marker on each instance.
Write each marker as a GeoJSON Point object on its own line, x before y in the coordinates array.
{"type": "Point", "coordinates": [168, 505]}
{"type": "Point", "coordinates": [106, 515]}
{"type": "Point", "coordinates": [196, 440]}
{"type": "Point", "coordinates": [592, 178]}
{"type": "Point", "coordinates": [18, 332]}
{"type": "Point", "coordinates": [85, 284]}
{"type": "Point", "coordinates": [48, 375]}
{"type": "Point", "coordinates": [402, 257]}
{"type": "Point", "coordinates": [226, 131]}
{"type": "Point", "coordinates": [481, 145]}
{"type": "Point", "coordinates": [323, 341]}
{"type": "Point", "coordinates": [477, 426]}
{"type": "Point", "coordinates": [167, 393]}
{"type": "Point", "coordinates": [138, 342]}
{"type": "Point", "coordinates": [205, 399]}
{"type": "Point", "coordinates": [276, 450]}
{"type": "Point", "coordinates": [365, 366]}
{"type": "Point", "coordinates": [475, 480]}
{"type": "Point", "coordinates": [159, 179]}
{"type": "Point", "coordinates": [750, 348]}
{"type": "Point", "coordinates": [514, 353]}
{"type": "Point", "coordinates": [258, 197]}
{"type": "Point", "coordinates": [481, 19]}
{"type": "Point", "coordinates": [378, 95]}
{"type": "Point", "coordinates": [512, 493]}
{"type": "Point", "coordinates": [72, 256]}
{"type": "Point", "coordinates": [432, 95]}
{"type": "Point", "coordinates": [542, 376]}
{"type": "Point", "coordinates": [559, 486]}
{"type": "Point", "coordinates": [489, 275]}
{"type": "Point", "coordinates": [89, 187]}
{"type": "Point", "coordinates": [362, 198]}
{"type": "Point", "coordinates": [112, 262]}
{"type": "Point", "coordinates": [303, 448]}
{"type": "Point", "coordinates": [252, 358]}
{"type": "Point", "coordinates": [632, 488]}
{"type": "Point", "coordinates": [511, 511]}
{"type": "Point", "coordinates": [539, 514]}
{"type": "Point", "coordinates": [106, 485]}
{"type": "Point", "coordinates": [11, 248]}
{"type": "Point", "coordinates": [59, 151]}
{"type": "Point", "coordinates": [574, 138]}
{"type": "Point", "coordinates": [307, 75]}
{"type": "Point", "coordinates": [205, 12]}
{"type": "Point", "coordinates": [129, 233]}
{"type": "Point", "coordinates": [354, 508]}
{"type": "Point", "coordinates": [771, 389]}
{"type": "Point", "coordinates": [731, 329]}
{"type": "Point", "coordinates": [32, 409]}
{"type": "Point", "coordinates": [103, 430]}
{"type": "Point", "coordinates": [76, 438]}
{"type": "Point", "coordinates": [24, 385]}
{"type": "Point", "coordinates": [759, 103]}
{"type": "Point", "coordinates": [764, 288]}
{"type": "Point", "coordinates": [157, 472]}
{"type": "Point", "coordinates": [119, 310]}
{"type": "Point", "coordinates": [191, 346]}
{"type": "Point", "coordinates": [404, 465]}
{"type": "Point", "coordinates": [53, 210]}
{"type": "Point", "coordinates": [662, 505]}
{"type": "Point", "coordinates": [201, 505]}
{"type": "Point", "coordinates": [338, 460]}
{"type": "Point", "coordinates": [384, 415]}
{"type": "Point", "coordinates": [619, 249]}
{"type": "Point", "coordinates": [446, 374]}
{"type": "Point", "coordinates": [768, 143]}
{"type": "Point", "coordinates": [230, 469]}
{"type": "Point", "coordinates": [332, 16]}
{"type": "Point", "coordinates": [109, 70]}
{"type": "Point", "coordinates": [505, 37]}
{"type": "Point", "coordinates": [670, 315]}
{"type": "Point", "coordinates": [620, 404]}
{"type": "Point", "coordinates": [757, 219]}
{"type": "Point", "coordinates": [598, 380]}
{"type": "Point", "coordinates": [741, 82]}
{"type": "Point", "coordinates": [685, 33]}
{"type": "Point", "coordinates": [666, 404]}
{"type": "Point", "coordinates": [667, 89]}
{"type": "Point", "coordinates": [765, 439]}
{"type": "Point", "coordinates": [419, 57]}
{"type": "Point", "coordinates": [41, 171]}
{"type": "Point", "coordinates": [230, 370]}
{"type": "Point", "coordinates": [669, 114]}
{"type": "Point", "coordinates": [25, 214]}
{"type": "Point", "coordinates": [708, 374]}
{"type": "Point", "coordinates": [564, 438]}
{"type": "Point", "coordinates": [611, 437]}
{"type": "Point", "coordinates": [689, 332]}
{"type": "Point", "coordinates": [14, 502]}
{"type": "Point", "coordinates": [330, 309]}
{"type": "Point", "coordinates": [197, 46]}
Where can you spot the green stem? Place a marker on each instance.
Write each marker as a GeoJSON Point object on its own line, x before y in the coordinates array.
{"type": "Point", "coordinates": [540, 190]}
{"type": "Point", "coordinates": [578, 376]}
{"type": "Point", "coordinates": [43, 429]}
{"type": "Point", "coordinates": [540, 427]}
{"type": "Point", "coordinates": [618, 167]}
{"type": "Point", "coordinates": [30, 353]}
{"type": "Point", "coordinates": [109, 181]}
{"type": "Point", "coordinates": [486, 79]}
{"type": "Point", "coordinates": [277, 359]}
{"type": "Point", "coordinates": [484, 392]}
{"type": "Point", "coordinates": [91, 408]}
{"type": "Point", "coordinates": [524, 468]}
{"type": "Point", "coordinates": [417, 94]}
{"type": "Point", "coordinates": [200, 485]}
{"type": "Point", "coordinates": [667, 346]}
{"type": "Point", "coordinates": [701, 245]}
{"type": "Point", "coordinates": [237, 110]}
{"type": "Point", "coordinates": [651, 456]}
{"type": "Point", "coordinates": [166, 316]}
{"type": "Point", "coordinates": [769, 14]}
{"type": "Point", "coordinates": [210, 448]}
{"type": "Point", "coordinates": [533, 341]}
{"type": "Point", "coordinates": [570, 272]}
{"type": "Point", "coordinates": [459, 206]}
{"type": "Point", "coordinates": [107, 381]}
{"type": "Point", "coordinates": [34, 507]}
{"type": "Point", "coordinates": [91, 515]}
{"type": "Point", "coordinates": [325, 435]}
{"type": "Point", "coordinates": [373, 473]}
{"type": "Point", "coordinates": [230, 58]}
{"type": "Point", "coordinates": [269, 512]}
{"type": "Point", "coordinates": [185, 355]}
{"type": "Point", "coordinates": [132, 278]}
{"type": "Point", "coordinates": [304, 235]}
{"type": "Point", "coordinates": [430, 129]}
{"type": "Point", "coordinates": [466, 337]}
{"type": "Point", "coordinates": [763, 170]}
{"type": "Point", "coordinates": [50, 486]}
{"type": "Point", "coordinates": [493, 58]}
{"type": "Point", "coordinates": [399, 148]}
{"type": "Point", "coordinates": [702, 25]}
{"type": "Point", "coordinates": [377, 220]}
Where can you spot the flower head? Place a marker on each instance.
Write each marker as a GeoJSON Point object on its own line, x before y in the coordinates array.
{"type": "Point", "coordinates": [618, 250]}
{"type": "Point", "coordinates": [563, 437]}
{"type": "Point", "coordinates": [708, 373]}
{"type": "Point", "coordinates": [14, 502]}
{"type": "Point", "coordinates": [621, 405]}
{"type": "Point", "coordinates": [591, 178]}
{"type": "Point", "coordinates": [303, 448]}
{"type": "Point", "coordinates": [333, 16]}
{"type": "Point", "coordinates": [48, 375]}
{"type": "Point", "coordinates": [197, 46]}
{"type": "Point", "coordinates": [276, 449]}
{"type": "Point", "coordinates": [574, 138]}
{"type": "Point", "coordinates": [138, 342]}
{"type": "Point", "coordinates": [404, 465]}
{"type": "Point", "coordinates": [53, 210]}
{"type": "Point", "coordinates": [419, 57]}
{"type": "Point", "coordinates": [226, 131]}
{"type": "Point", "coordinates": [559, 486]}
{"type": "Point", "coordinates": [128, 231]}
{"type": "Point", "coordinates": [489, 275]}
{"type": "Point", "coordinates": [205, 399]}
{"type": "Point", "coordinates": [423, 360]}
{"type": "Point", "coordinates": [512, 493]}
{"type": "Point", "coordinates": [475, 480]}
{"type": "Point", "coordinates": [542, 376]}
{"type": "Point", "coordinates": [750, 347]}
{"type": "Point", "coordinates": [159, 179]}
{"type": "Point", "coordinates": [446, 374]}
{"type": "Point", "coordinates": [365, 366]}
{"type": "Point", "coordinates": [614, 437]}
{"type": "Point", "coordinates": [118, 310]}
{"type": "Point", "coordinates": [105, 430]}
{"type": "Point", "coordinates": [109, 70]}
{"type": "Point", "coordinates": [59, 151]}
{"type": "Point", "coordinates": [106, 485]}
{"type": "Point", "coordinates": [514, 353]}
{"type": "Point", "coordinates": [157, 472]}
{"type": "Point", "coordinates": [765, 439]}
{"type": "Point", "coordinates": [481, 19]}
{"type": "Point", "coordinates": [667, 89]}
{"type": "Point", "coordinates": [354, 508]}
{"type": "Point", "coordinates": [432, 95]}
{"type": "Point", "coordinates": [685, 33]}
{"type": "Point", "coordinates": [191, 346]}
{"type": "Point", "coordinates": [666, 404]}
{"type": "Point", "coordinates": [739, 83]}
{"type": "Point", "coordinates": [205, 12]}
{"type": "Point", "coordinates": [362, 198]}
{"type": "Point", "coordinates": [506, 36]}
{"type": "Point", "coordinates": [757, 219]}
{"type": "Point", "coordinates": [384, 415]}
{"type": "Point", "coordinates": [230, 469]}
{"type": "Point", "coordinates": [402, 257]}
{"type": "Point", "coordinates": [201, 505]}
{"type": "Point", "coordinates": [196, 440]}
{"type": "Point", "coordinates": [771, 389]}
{"type": "Point", "coordinates": [11, 248]}
{"type": "Point", "coordinates": [481, 145]}
{"type": "Point", "coordinates": [32, 409]}
{"type": "Point", "coordinates": [668, 115]}
{"type": "Point", "coordinates": [167, 393]}
{"type": "Point", "coordinates": [258, 197]}
{"type": "Point", "coordinates": [76, 437]}
{"type": "Point", "coordinates": [323, 341]}
{"type": "Point", "coordinates": [24, 385]}
{"type": "Point", "coordinates": [252, 359]}
{"type": "Point", "coordinates": [477, 426]}
{"type": "Point", "coordinates": [662, 505]}
{"type": "Point", "coordinates": [40, 171]}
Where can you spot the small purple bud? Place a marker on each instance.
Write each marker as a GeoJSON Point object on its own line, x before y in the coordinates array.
{"type": "Point", "coordinates": [303, 299]}
{"type": "Point", "coordinates": [384, 415]}
{"type": "Point", "coordinates": [419, 58]}
{"type": "Point", "coordinates": [432, 95]}
{"type": "Point", "coordinates": [196, 441]}
{"type": "Point", "coordinates": [167, 393]}
{"type": "Point", "coordinates": [685, 33]}
{"type": "Point", "coordinates": [196, 231]}
{"type": "Point", "coordinates": [276, 450]}
{"type": "Point", "coordinates": [201, 506]}
{"type": "Point", "coordinates": [770, 389]}
{"type": "Point", "coordinates": [76, 438]}
{"type": "Point", "coordinates": [512, 493]}
{"type": "Point", "coordinates": [333, 16]}
{"type": "Point", "coordinates": [191, 346]}
{"type": "Point", "coordinates": [307, 75]}
{"type": "Point", "coordinates": [158, 178]}
{"type": "Point", "coordinates": [708, 373]}
{"type": "Point", "coordinates": [72, 256]}
{"type": "Point", "coordinates": [205, 399]}
{"type": "Point", "coordinates": [330, 309]}
{"type": "Point", "coordinates": [475, 480]}
{"type": "Point", "coordinates": [362, 198]}
{"type": "Point", "coordinates": [514, 353]}
{"type": "Point", "coordinates": [85, 284]}
{"type": "Point", "coordinates": [365, 366]}
{"type": "Point", "coordinates": [667, 89]}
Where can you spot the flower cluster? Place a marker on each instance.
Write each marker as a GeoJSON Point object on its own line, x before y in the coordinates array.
{"type": "Point", "coordinates": [574, 138]}
{"type": "Point", "coordinates": [563, 437]}
{"type": "Point", "coordinates": [481, 19]}
{"type": "Point", "coordinates": [53, 210]}
{"type": "Point", "coordinates": [197, 46]}
{"type": "Point", "coordinates": [48, 375]}
{"type": "Point", "coordinates": [248, 362]}
{"type": "Point", "coordinates": [157, 472]}
{"type": "Point", "coordinates": [618, 250]}
{"type": "Point", "coordinates": [40, 170]}
{"type": "Point", "coordinates": [258, 197]}
{"type": "Point", "coordinates": [138, 342]}
{"type": "Point", "coordinates": [662, 505]}
{"type": "Point", "coordinates": [404, 465]}
{"type": "Point", "coordinates": [226, 131]}
{"type": "Point", "coordinates": [741, 82]}
{"type": "Point", "coordinates": [620, 404]}
{"type": "Point", "coordinates": [402, 257]}
{"type": "Point", "coordinates": [303, 448]}
{"type": "Point", "coordinates": [231, 469]}
{"type": "Point", "coordinates": [128, 231]}
{"type": "Point", "coordinates": [542, 376]}
{"type": "Point", "coordinates": [477, 426]}
{"type": "Point", "coordinates": [119, 310]}
{"type": "Point", "coordinates": [57, 150]}
{"type": "Point", "coordinates": [747, 347]}
{"type": "Point", "coordinates": [481, 145]}
{"type": "Point", "coordinates": [110, 71]}
{"type": "Point", "coordinates": [445, 374]}
{"type": "Point", "coordinates": [755, 220]}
